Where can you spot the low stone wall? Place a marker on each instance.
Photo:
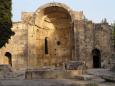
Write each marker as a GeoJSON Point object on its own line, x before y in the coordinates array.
{"type": "Point", "coordinates": [52, 74]}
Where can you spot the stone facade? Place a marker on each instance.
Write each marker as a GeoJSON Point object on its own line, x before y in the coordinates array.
{"type": "Point", "coordinates": [53, 35]}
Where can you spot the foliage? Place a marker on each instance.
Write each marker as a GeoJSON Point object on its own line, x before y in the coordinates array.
{"type": "Point", "coordinates": [5, 22]}
{"type": "Point", "coordinates": [113, 29]}
{"type": "Point", "coordinates": [113, 34]}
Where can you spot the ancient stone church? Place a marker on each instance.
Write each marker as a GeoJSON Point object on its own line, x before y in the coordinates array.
{"type": "Point", "coordinates": [55, 34]}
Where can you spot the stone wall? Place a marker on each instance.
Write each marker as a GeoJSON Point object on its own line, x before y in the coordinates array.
{"type": "Point", "coordinates": [89, 42]}
{"type": "Point", "coordinates": [54, 35]}
{"type": "Point", "coordinates": [17, 46]}
{"type": "Point", "coordinates": [102, 41]}
{"type": "Point", "coordinates": [54, 25]}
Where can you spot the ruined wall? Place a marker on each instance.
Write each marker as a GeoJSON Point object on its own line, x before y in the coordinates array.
{"type": "Point", "coordinates": [89, 42]}
{"type": "Point", "coordinates": [78, 33]}
{"type": "Point", "coordinates": [53, 35]}
{"type": "Point", "coordinates": [84, 41]}
{"type": "Point", "coordinates": [102, 41]}
{"type": "Point", "coordinates": [17, 46]}
{"type": "Point", "coordinates": [90, 36]}
{"type": "Point", "coordinates": [54, 26]}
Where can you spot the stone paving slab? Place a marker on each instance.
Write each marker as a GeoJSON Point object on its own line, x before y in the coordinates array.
{"type": "Point", "coordinates": [103, 73]}
{"type": "Point", "coordinates": [54, 82]}
{"type": "Point", "coordinates": [42, 82]}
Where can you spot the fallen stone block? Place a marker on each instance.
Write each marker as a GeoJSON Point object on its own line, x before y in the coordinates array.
{"type": "Point", "coordinates": [109, 78]}
{"type": "Point", "coordinates": [74, 65]}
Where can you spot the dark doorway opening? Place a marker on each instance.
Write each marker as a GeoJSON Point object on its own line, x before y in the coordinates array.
{"type": "Point", "coordinates": [46, 45]}
{"type": "Point", "coordinates": [96, 58]}
{"type": "Point", "coordinates": [9, 56]}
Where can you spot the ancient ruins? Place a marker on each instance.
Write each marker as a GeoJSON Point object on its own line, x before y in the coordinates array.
{"type": "Point", "coordinates": [54, 35]}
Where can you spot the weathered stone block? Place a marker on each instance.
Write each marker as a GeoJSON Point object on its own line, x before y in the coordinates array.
{"type": "Point", "coordinates": [74, 65]}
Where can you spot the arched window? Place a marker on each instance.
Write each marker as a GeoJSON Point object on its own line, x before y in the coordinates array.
{"type": "Point", "coordinates": [46, 45]}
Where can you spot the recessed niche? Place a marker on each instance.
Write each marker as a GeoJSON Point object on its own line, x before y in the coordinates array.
{"type": "Point", "coordinates": [58, 42]}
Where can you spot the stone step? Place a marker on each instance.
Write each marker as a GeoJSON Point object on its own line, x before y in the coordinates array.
{"type": "Point", "coordinates": [98, 72]}
{"type": "Point", "coordinates": [109, 78]}
{"type": "Point", "coordinates": [84, 77]}
{"type": "Point", "coordinates": [105, 74]}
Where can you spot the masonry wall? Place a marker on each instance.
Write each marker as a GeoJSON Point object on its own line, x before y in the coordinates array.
{"type": "Point", "coordinates": [69, 38]}
{"type": "Point", "coordinates": [54, 25]}
{"type": "Point", "coordinates": [17, 46]}
{"type": "Point", "coordinates": [102, 41]}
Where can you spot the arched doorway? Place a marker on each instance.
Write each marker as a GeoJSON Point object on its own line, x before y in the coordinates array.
{"type": "Point", "coordinates": [9, 56]}
{"type": "Point", "coordinates": [96, 58]}
{"type": "Point", "coordinates": [55, 36]}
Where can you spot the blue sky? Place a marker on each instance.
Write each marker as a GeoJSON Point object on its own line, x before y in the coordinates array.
{"type": "Point", "coordinates": [94, 10]}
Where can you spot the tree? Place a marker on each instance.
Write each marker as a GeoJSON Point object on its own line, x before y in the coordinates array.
{"type": "Point", "coordinates": [5, 21]}
{"type": "Point", "coordinates": [113, 34]}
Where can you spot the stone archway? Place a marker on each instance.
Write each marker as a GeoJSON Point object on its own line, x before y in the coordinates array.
{"type": "Point", "coordinates": [96, 58]}
{"type": "Point", "coordinates": [55, 36]}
